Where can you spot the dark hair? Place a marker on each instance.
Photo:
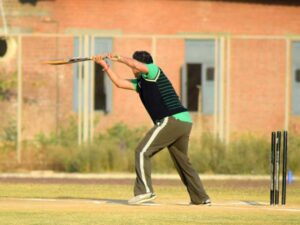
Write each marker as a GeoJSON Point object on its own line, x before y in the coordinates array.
{"type": "Point", "coordinates": [142, 56]}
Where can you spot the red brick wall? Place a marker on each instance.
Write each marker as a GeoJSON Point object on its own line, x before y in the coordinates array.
{"type": "Point", "coordinates": [257, 85]}
{"type": "Point", "coordinates": [156, 16]}
{"type": "Point", "coordinates": [167, 16]}
{"type": "Point", "coordinates": [258, 67]}
{"type": "Point", "coordinates": [47, 90]}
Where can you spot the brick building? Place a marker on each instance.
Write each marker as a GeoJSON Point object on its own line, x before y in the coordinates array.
{"type": "Point", "coordinates": [235, 64]}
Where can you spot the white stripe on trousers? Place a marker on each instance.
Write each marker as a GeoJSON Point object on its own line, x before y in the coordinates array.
{"type": "Point", "coordinates": [153, 136]}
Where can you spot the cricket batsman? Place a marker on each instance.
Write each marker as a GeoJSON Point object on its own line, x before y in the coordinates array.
{"type": "Point", "coordinates": [172, 125]}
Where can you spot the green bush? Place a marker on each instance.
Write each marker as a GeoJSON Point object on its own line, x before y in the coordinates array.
{"type": "Point", "coordinates": [207, 154]}
{"type": "Point", "coordinates": [111, 151]}
{"type": "Point", "coordinates": [114, 151]}
{"type": "Point", "coordinates": [8, 142]}
{"type": "Point", "coordinates": [9, 132]}
{"type": "Point", "coordinates": [294, 153]}
{"type": "Point", "coordinates": [66, 136]}
{"type": "Point", "coordinates": [8, 84]}
{"type": "Point", "coordinates": [246, 155]}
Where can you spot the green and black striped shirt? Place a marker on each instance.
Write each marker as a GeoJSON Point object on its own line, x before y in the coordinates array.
{"type": "Point", "coordinates": [162, 99]}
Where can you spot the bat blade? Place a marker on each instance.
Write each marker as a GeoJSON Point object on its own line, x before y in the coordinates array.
{"type": "Point", "coordinates": [56, 62]}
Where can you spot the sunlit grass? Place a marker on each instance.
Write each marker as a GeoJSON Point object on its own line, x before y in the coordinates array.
{"type": "Point", "coordinates": [106, 204]}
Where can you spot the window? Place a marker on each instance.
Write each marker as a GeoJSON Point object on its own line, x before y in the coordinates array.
{"type": "Point", "coordinates": [210, 74]}
{"type": "Point", "coordinates": [198, 76]}
{"type": "Point", "coordinates": [99, 95]}
{"type": "Point", "coordinates": [295, 78]}
{"type": "Point", "coordinates": [102, 85]}
{"type": "Point", "coordinates": [193, 86]}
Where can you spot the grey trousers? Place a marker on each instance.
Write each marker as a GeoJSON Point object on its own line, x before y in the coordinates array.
{"type": "Point", "coordinates": [174, 135]}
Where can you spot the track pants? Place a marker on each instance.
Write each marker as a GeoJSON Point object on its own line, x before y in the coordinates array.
{"type": "Point", "coordinates": [174, 135]}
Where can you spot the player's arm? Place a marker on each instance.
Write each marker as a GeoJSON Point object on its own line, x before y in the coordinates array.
{"type": "Point", "coordinates": [130, 62]}
{"type": "Point", "coordinates": [118, 81]}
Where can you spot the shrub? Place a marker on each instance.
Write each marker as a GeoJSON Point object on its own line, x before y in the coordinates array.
{"type": "Point", "coordinates": [294, 153]}
{"type": "Point", "coordinates": [66, 136]}
{"type": "Point", "coordinates": [114, 151]}
{"type": "Point", "coordinates": [246, 155]}
{"type": "Point", "coordinates": [8, 84]}
{"type": "Point", "coordinates": [9, 133]}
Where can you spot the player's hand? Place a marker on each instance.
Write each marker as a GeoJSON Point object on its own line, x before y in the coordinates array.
{"type": "Point", "coordinates": [113, 57]}
{"type": "Point", "coordinates": [100, 60]}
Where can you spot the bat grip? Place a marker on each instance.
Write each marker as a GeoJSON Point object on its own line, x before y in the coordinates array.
{"type": "Point", "coordinates": [92, 57]}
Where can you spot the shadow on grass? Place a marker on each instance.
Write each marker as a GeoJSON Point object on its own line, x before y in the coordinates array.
{"type": "Point", "coordinates": [97, 200]}
{"type": "Point", "coordinates": [107, 201]}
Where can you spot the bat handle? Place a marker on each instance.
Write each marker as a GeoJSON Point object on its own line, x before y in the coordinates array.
{"type": "Point", "coordinates": [91, 57]}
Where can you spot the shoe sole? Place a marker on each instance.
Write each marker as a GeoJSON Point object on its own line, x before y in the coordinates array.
{"type": "Point", "coordinates": [202, 204]}
{"type": "Point", "coordinates": [143, 201]}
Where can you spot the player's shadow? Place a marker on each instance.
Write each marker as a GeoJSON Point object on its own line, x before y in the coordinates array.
{"type": "Point", "coordinates": [253, 203]}
{"type": "Point", "coordinates": [112, 201]}
{"type": "Point", "coordinates": [98, 200]}
{"type": "Point", "coordinates": [123, 202]}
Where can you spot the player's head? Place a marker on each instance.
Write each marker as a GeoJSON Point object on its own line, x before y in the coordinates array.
{"type": "Point", "coordinates": [143, 56]}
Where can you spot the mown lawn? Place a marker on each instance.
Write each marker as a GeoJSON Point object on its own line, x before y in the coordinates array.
{"type": "Point", "coordinates": [234, 202]}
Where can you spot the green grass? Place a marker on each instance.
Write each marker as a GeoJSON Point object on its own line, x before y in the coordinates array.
{"type": "Point", "coordinates": [75, 205]}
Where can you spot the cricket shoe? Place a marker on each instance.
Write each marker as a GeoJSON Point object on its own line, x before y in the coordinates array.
{"type": "Point", "coordinates": [139, 199]}
{"type": "Point", "coordinates": [206, 202]}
